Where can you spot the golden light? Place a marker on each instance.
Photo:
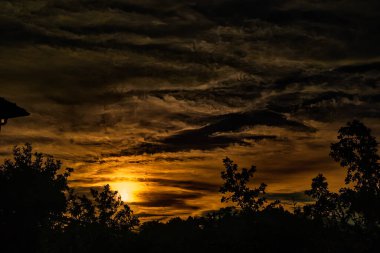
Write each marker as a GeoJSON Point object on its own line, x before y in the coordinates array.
{"type": "Point", "coordinates": [127, 190]}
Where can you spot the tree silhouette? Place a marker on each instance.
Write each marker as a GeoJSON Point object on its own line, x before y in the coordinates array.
{"type": "Point", "coordinates": [105, 209]}
{"type": "Point", "coordinates": [40, 213]}
{"type": "Point", "coordinates": [356, 150]}
{"type": "Point", "coordinates": [326, 204]}
{"type": "Point", "coordinates": [236, 187]}
{"type": "Point", "coordinates": [32, 194]}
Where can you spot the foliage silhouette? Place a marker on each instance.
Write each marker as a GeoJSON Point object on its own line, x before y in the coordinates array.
{"type": "Point", "coordinates": [39, 212]}
{"type": "Point", "coordinates": [356, 150]}
{"type": "Point", "coordinates": [328, 207]}
{"type": "Point", "coordinates": [32, 194]}
{"type": "Point", "coordinates": [359, 201]}
{"type": "Point", "coordinates": [237, 189]}
{"type": "Point", "coordinates": [106, 209]}
{"type": "Point", "coordinates": [99, 222]}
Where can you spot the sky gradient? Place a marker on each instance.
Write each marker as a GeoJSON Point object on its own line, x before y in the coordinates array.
{"type": "Point", "coordinates": [150, 96]}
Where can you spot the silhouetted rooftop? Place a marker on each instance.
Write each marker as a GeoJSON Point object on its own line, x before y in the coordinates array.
{"type": "Point", "coordinates": [10, 110]}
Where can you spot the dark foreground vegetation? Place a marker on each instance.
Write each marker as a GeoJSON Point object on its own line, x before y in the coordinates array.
{"type": "Point", "coordinates": [39, 212]}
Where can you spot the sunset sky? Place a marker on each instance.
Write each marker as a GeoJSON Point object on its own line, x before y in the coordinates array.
{"type": "Point", "coordinates": [149, 96]}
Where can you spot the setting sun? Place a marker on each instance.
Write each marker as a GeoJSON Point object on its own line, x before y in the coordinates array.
{"type": "Point", "coordinates": [127, 190]}
{"type": "Point", "coordinates": [189, 126]}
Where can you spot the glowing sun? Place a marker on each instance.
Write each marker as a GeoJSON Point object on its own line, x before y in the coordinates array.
{"type": "Point", "coordinates": [127, 190]}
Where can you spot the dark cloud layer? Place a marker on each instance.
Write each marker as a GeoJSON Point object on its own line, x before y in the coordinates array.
{"type": "Point", "coordinates": [172, 200]}
{"type": "Point", "coordinates": [207, 138]}
{"type": "Point", "coordinates": [185, 184]}
{"type": "Point", "coordinates": [179, 82]}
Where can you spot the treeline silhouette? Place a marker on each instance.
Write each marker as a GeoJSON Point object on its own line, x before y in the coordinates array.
{"type": "Point", "coordinates": [39, 212]}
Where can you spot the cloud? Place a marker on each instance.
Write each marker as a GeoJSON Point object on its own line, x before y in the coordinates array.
{"type": "Point", "coordinates": [189, 82]}
{"type": "Point", "coordinates": [172, 200]}
{"type": "Point", "coordinates": [189, 185]}
{"type": "Point", "coordinates": [184, 184]}
{"type": "Point", "coordinates": [209, 137]}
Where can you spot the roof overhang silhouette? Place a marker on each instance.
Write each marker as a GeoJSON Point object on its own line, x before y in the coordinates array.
{"type": "Point", "coordinates": [10, 110]}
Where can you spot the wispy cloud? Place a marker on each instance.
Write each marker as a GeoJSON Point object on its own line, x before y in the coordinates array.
{"type": "Point", "coordinates": [121, 88]}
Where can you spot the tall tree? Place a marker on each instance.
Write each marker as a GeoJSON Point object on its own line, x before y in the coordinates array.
{"type": "Point", "coordinates": [236, 187]}
{"type": "Point", "coordinates": [356, 150]}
